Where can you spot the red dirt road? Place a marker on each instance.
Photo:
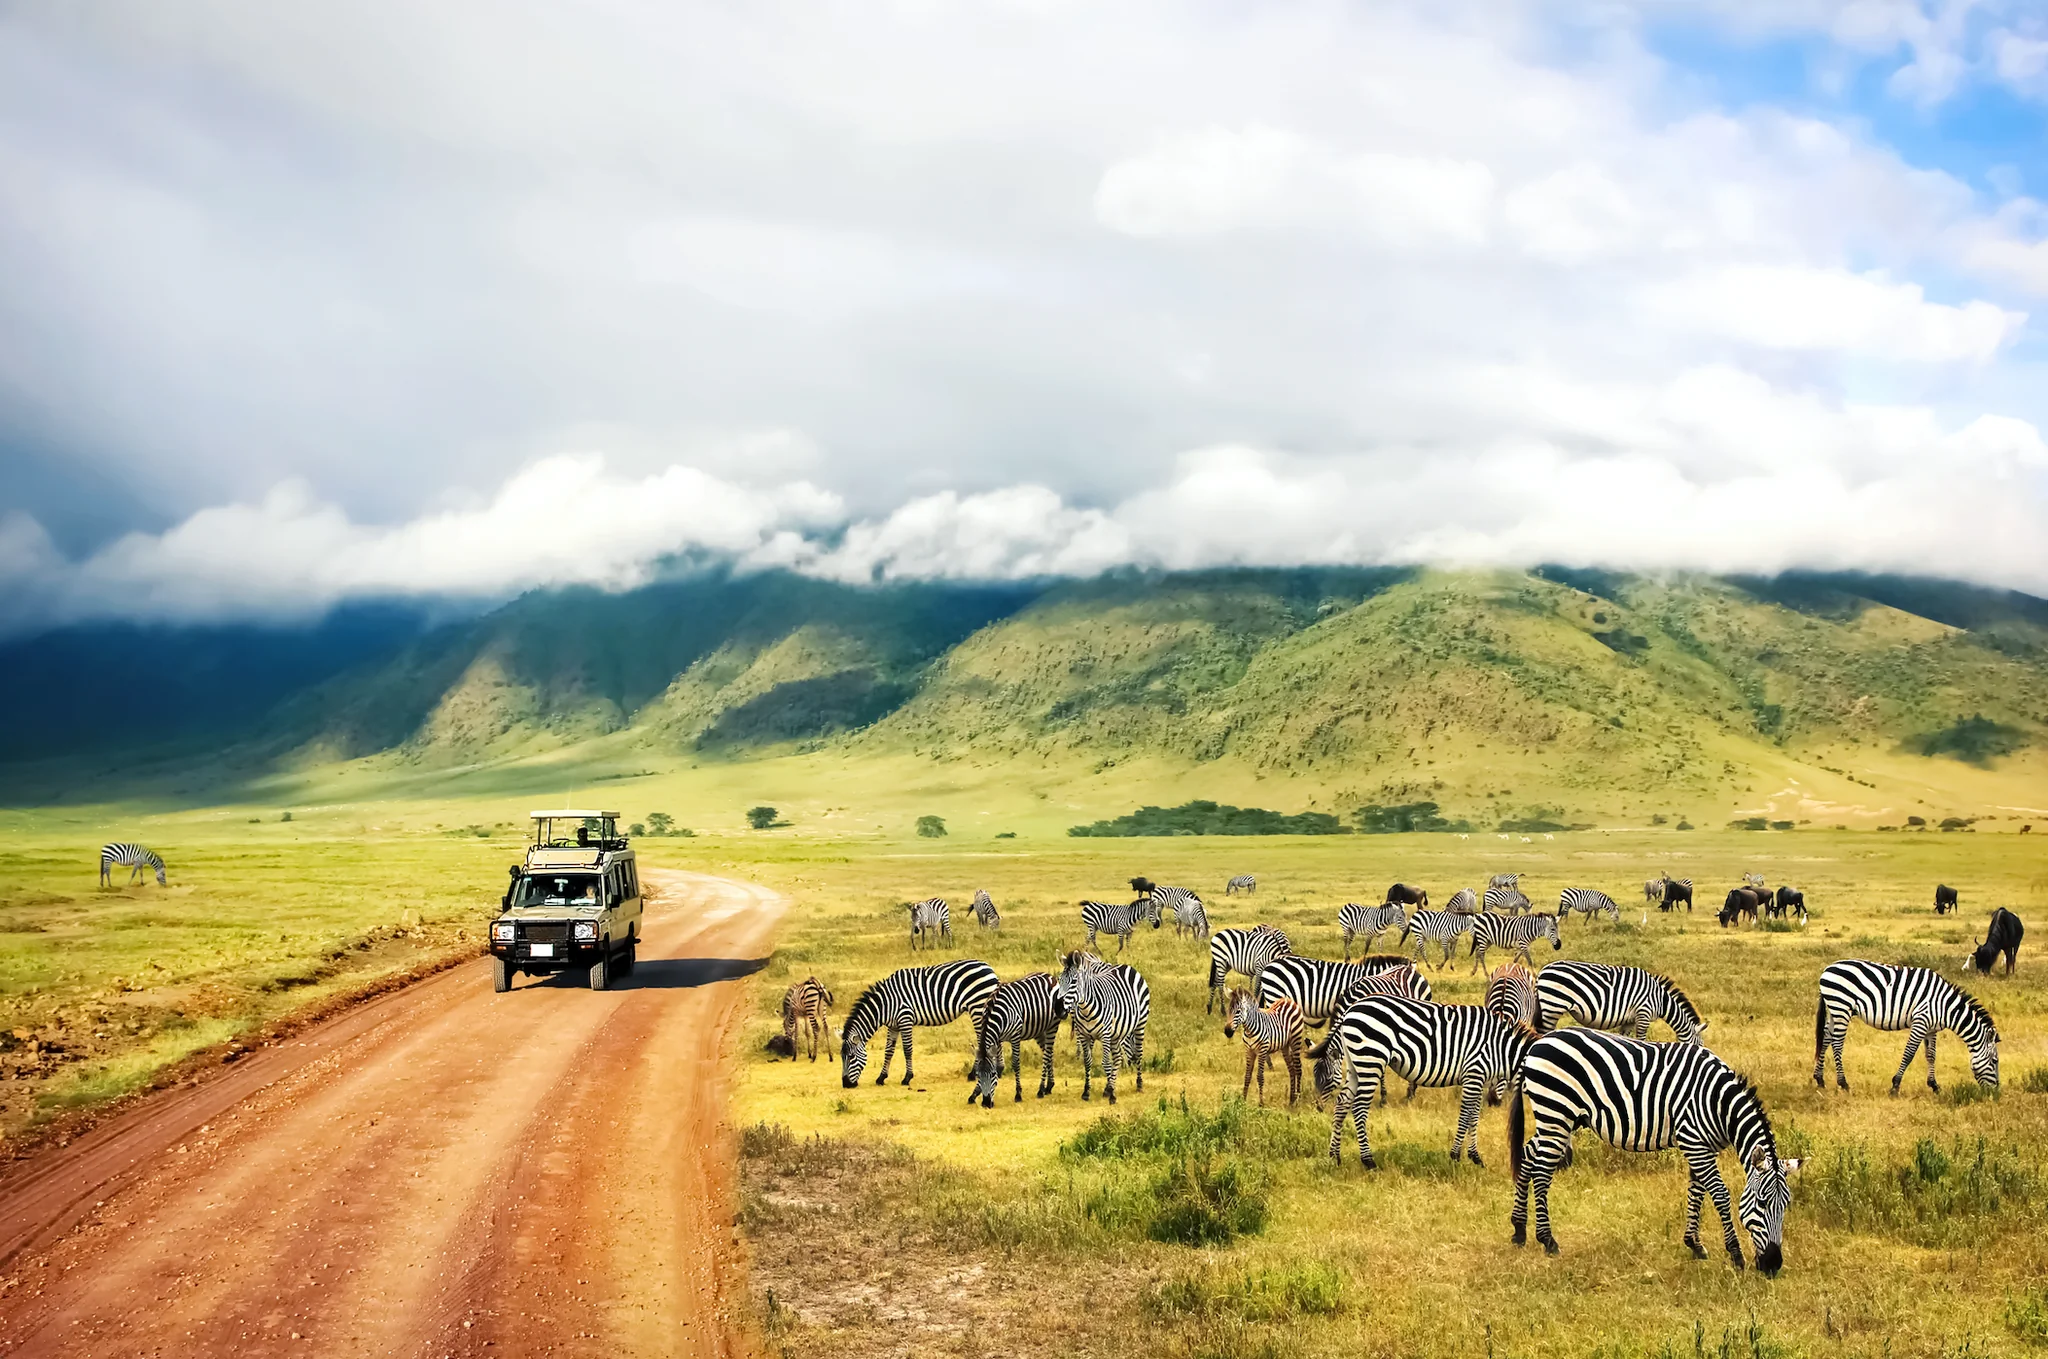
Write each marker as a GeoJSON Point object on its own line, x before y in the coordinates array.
{"type": "Point", "coordinates": [440, 1171]}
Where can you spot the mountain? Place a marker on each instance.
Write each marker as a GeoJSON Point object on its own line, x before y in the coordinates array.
{"type": "Point", "coordinates": [1556, 694]}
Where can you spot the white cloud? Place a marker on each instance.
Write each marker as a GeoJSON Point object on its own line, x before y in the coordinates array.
{"type": "Point", "coordinates": [1833, 309]}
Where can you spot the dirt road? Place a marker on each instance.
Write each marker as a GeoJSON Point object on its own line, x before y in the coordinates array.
{"type": "Point", "coordinates": [442, 1171]}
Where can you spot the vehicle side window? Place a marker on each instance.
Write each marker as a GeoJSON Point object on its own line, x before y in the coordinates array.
{"type": "Point", "coordinates": [632, 879]}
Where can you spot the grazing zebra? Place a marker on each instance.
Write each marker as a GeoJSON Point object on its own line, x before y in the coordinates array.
{"type": "Point", "coordinates": [1436, 1045]}
{"type": "Point", "coordinates": [1642, 1096]}
{"type": "Point", "coordinates": [936, 994]}
{"type": "Point", "coordinates": [1588, 903]}
{"type": "Point", "coordinates": [1441, 926]}
{"type": "Point", "coordinates": [1512, 881]}
{"type": "Point", "coordinates": [1504, 901]}
{"type": "Point", "coordinates": [1517, 932]}
{"type": "Point", "coordinates": [133, 857]}
{"type": "Point", "coordinates": [1464, 901]}
{"type": "Point", "coordinates": [1653, 890]}
{"type": "Point", "coordinates": [1613, 996]}
{"type": "Point", "coordinates": [1755, 880]}
{"type": "Point", "coordinates": [1917, 999]}
{"type": "Point", "coordinates": [1029, 1007]}
{"type": "Point", "coordinates": [806, 1004]}
{"type": "Point", "coordinates": [985, 913]}
{"type": "Point", "coordinates": [1367, 923]}
{"type": "Point", "coordinates": [1111, 1004]}
{"type": "Point", "coordinates": [1189, 917]}
{"type": "Point", "coordinates": [1511, 994]}
{"type": "Point", "coordinates": [1248, 952]}
{"type": "Point", "coordinates": [1675, 891]}
{"type": "Point", "coordinates": [1244, 882]}
{"type": "Point", "coordinates": [1119, 919]}
{"type": "Point", "coordinates": [1319, 985]}
{"type": "Point", "coordinates": [931, 918]}
{"type": "Point", "coordinates": [1265, 1032]}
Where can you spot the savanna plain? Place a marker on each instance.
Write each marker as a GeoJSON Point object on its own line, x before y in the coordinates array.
{"type": "Point", "coordinates": [1185, 1221]}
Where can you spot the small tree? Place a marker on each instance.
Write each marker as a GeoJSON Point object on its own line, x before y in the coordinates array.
{"type": "Point", "coordinates": [658, 823]}
{"type": "Point", "coordinates": [761, 818]}
{"type": "Point", "coordinates": [636, 830]}
{"type": "Point", "coordinates": [931, 827]}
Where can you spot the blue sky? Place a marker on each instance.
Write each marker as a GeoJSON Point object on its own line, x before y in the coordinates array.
{"type": "Point", "coordinates": [307, 304]}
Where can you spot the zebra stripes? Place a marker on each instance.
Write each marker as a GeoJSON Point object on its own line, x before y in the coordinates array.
{"type": "Point", "coordinates": [1612, 996]}
{"type": "Point", "coordinates": [1110, 1004]}
{"type": "Point", "coordinates": [1244, 882]}
{"type": "Point", "coordinates": [1511, 881]}
{"type": "Point", "coordinates": [1189, 917]}
{"type": "Point", "coordinates": [1029, 1007]}
{"type": "Point", "coordinates": [1891, 998]}
{"type": "Point", "coordinates": [1367, 923]}
{"type": "Point", "coordinates": [1118, 918]}
{"type": "Point", "coordinates": [930, 922]}
{"type": "Point", "coordinates": [1755, 880]}
{"type": "Point", "coordinates": [135, 857]}
{"type": "Point", "coordinates": [1318, 985]}
{"type": "Point", "coordinates": [906, 998]}
{"type": "Point", "coordinates": [1588, 903]}
{"type": "Point", "coordinates": [1464, 901]}
{"type": "Point", "coordinates": [1395, 981]}
{"type": "Point", "coordinates": [1437, 1045]}
{"type": "Point", "coordinates": [1248, 952]}
{"type": "Point", "coordinates": [1511, 994]}
{"type": "Point", "coordinates": [1265, 1032]}
{"type": "Point", "coordinates": [1442, 927]}
{"type": "Point", "coordinates": [985, 913]}
{"type": "Point", "coordinates": [1642, 1096]}
{"type": "Point", "coordinates": [1516, 932]}
{"type": "Point", "coordinates": [805, 1005]}
{"type": "Point", "coordinates": [1504, 901]}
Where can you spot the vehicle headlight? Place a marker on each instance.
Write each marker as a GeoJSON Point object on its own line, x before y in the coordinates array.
{"type": "Point", "coordinates": [501, 931]}
{"type": "Point", "coordinates": [586, 930]}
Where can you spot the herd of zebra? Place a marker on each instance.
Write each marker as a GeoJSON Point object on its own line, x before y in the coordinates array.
{"type": "Point", "coordinates": [1602, 1072]}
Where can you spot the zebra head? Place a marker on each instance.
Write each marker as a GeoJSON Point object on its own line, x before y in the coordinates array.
{"type": "Point", "coordinates": [1550, 932]}
{"type": "Point", "coordinates": [1237, 1005]}
{"type": "Point", "coordinates": [988, 1070]}
{"type": "Point", "coordinates": [1981, 1036]}
{"type": "Point", "coordinates": [854, 1060]}
{"type": "Point", "coordinates": [861, 1023]}
{"type": "Point", "coordinates": [1765, 1196]}
{"type": "Point", "coordinates": [1073, 970]}
{"type": "Point", "coordinates": [1148, 907]}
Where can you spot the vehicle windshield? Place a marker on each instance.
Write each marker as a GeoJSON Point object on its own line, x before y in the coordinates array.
{"type": "Point", "coordinates": [556, 889]}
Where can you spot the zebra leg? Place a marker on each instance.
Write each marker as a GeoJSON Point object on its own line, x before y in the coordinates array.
{"type": "Point", "coordinates": [1708, 1172]}
{"type": "Point", "coordinates": [1087, 1046]}
{"type": "Point", "coordinates": [1291, 1054]}
{"type": "Point", "coordinates": [908, 1029]}
{"type": "Point", "coordinates": [1263, 1063]}
{"type": "Point", "coordinates": [1347, 946]}
{"type": "Point", "coordinates": [1838, 1038]}
{"type": "Point", "coordinates": [1642, 1023]}
{"type": "Point", "coordinates": [1479, 957]}
{"type": "Point", "coordinates": [1251, 1059]}
{"type": "Point", "coordinates": [1045, 1067]}
{"type": "Point", "coordinates": [1361, 1116]}
{"type": "Point", "coordinates": [1695, 1194]}
{"type": "Point", "coordinates": [1542, 1163]}
{"type": "Point", "coordinates": [1932, 1034]}
{"type": "Point", "coordinates": [1914, 1038]}
{"type": "Point", "coordinates": [888, 1056]}
{"type": "Point", "coordinates": [1111, 1063]}
{"type": "Point", "coordinates": [1138, 1058]}
{"type": "Point", "coordinates": [1475, 1085]}
{"type": "Point", "coordinates": [1017, 1066]}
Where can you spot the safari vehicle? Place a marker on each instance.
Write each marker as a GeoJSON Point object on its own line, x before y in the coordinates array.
{"type": "Point", "coordinates": [574, 903]}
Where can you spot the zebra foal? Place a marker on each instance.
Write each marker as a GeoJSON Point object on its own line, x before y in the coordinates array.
{"type": "Point", "coordinates": [910, 996]}
{"type": "Point", "coordinates": [1642, 1096]}
{"type": "Point", "coordinates": [1515, 932]}
{"type": "Point", "coordinates": [930, 922]}
{"type": "Point", "coordinates": [1275, 1029]}
{"type": "Point", "coordinates": [135, 857]}
{"type": "Point", "coordinates": [1916, 999]}
{"type": "Point", "coordinates": [985, 913]}
{"type": "Point", "coordinates": [806, 1004]}
{"type": "Point", "coordinates": [1110, 1004]}
{"type": "Point", "coordinates": [1029, 1007]}
{"type": "Point", "coordinates": [1368, 923]}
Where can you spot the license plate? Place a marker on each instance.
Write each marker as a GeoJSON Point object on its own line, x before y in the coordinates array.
{"type": "Point", "coordinates": [540, 950]}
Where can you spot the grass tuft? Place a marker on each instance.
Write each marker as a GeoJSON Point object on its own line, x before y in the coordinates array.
{"type": "Point", "coordinates": [1939, 1196]}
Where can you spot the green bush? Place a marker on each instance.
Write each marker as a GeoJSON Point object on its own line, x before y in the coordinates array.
{"type": "Point", "coordinates": [931, 827]}
{"type": "Point", "coordinates": [763, 818]}
{"type": "Point", "coordinates": [1974, 740]}
{"type": "Point", "coordinates": [1200, 1202]}
{"type": "Point", "coordinates": [1209, 818]}
{"type": "Point", "coordinates": [2026, 1316]}
{"type": "Point", "coordinates": [1373, 819]}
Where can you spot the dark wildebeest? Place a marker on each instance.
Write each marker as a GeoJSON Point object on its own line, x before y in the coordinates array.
{"type": "Point", "coordinates": [1944, 900]}
{"type": "Point", "coordinates": [1142, 886]}
{"type": "Point", "coordinates": [1790, 899]}
{"type": "Point", "coordinates": [1401, 894]}
{"type": "Point", "coordinates": [1742, 901]}
{"type": "Point", "coordinates": [1675, 892]}
{"type": "Point", "coordinates": [2002, 937]}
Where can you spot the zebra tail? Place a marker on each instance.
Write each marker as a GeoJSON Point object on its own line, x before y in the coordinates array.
{"type": "Point", "coordinates": [1516, 1128]}
{"type": "Point", "coordinates": [1820, 1027]}
{"type": "Point", "coordinates": [1315, 1054]}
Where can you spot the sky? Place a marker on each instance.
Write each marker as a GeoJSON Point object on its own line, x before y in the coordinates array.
{"type": "Point", "coordinates": [314, 303]}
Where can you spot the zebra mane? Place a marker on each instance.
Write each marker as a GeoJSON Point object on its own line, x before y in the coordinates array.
{"type": "Point", "coordinates": [1745, 1089]}
{"type": "Point", "coordinates": [868, 1008]}
{"type": "Point", "coordinates": [1680, 997]}
{"type": "Point", "coordinates": [1976, 1007]}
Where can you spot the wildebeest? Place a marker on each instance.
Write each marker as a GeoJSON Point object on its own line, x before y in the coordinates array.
{"type": "Point", "coordinates": [1675, 891]}
{"type": "Point", "coordinates": [1401, 894]}
{"type": "Point", "coordinates": [1787, 899]}
{"type": "Point", "coordinates": [1944, 900]}
{"type": "Point", "coordinates": [1742, 901]}
{"type": "Point", "coordinates": [2001, 937]}
{"type": "Point", "coordinates": [1143, 886]}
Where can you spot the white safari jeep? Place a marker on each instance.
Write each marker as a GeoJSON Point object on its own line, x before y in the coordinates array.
{"type": "Point", "coordinates": [574, 903]}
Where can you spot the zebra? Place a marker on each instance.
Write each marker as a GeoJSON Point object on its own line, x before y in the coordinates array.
{"type": "Point", "coordinates": [1588, 903]}
{"type": "Point", "coordinates": [806, 1004]}
{"type": "Point", "coordinates": [1442, 926]}
{"type": "Point", "coordinates": [1511, 881]}
{"type": "Point", "coordinates": [121, 855]}
{"type": "Point", "coordinates": [1265, 1032]}
{"type": "Point", "coordinates": [1189, 917]}
{"type": "Point", "coordinates": [1675, 891]}
{"type": "Point", "coordinates": [1110, 1004]}
{"type": "Point", "coordinates": [1244, 882]}
{"type": "Point", "coordinates": [1436, 1045]}
{"type": "Point", "coordinates": [1504, 901]}
{"type": "Point", "coordinates": [1755, 880]}
{"type": "Point", "coordinates": [1403, 982]}
{"type": "Point", "coordinates": [1463, 902]}
{"type": "Point", "coordinates": [1318, 985]}
{"type": "Point", "coordinates": [1613, 996]}
{"type": "Point", "coordinates": [1643, 1096]}
{"type": "Point", "coordinates": [936, 994]}
{"type": "Point", "coordinates": [1511, 994]}
{"type": "Point", "coordinates": [1367, 923]}
{"type": "Point", "coordinates": [1653, 890]}
{"type": "Point", "coordinates": [933, 918]}
{"type": "Point", "coordinates": [1029, 1007]}
{"type": "Point", "coordinates": [985, 913]}
{"type": "Point", "coordinates": [1246, 951]}
{"type": "Point", "coordinates": [1916, 999]}
{"type": "Point", "coordinates": [1120, 920]}
{"type": "Point", "coordinates": [1516, 932]}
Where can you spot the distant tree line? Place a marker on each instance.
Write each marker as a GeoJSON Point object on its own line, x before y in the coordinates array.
{"type": "Point", "coordinates": [1212, 818]}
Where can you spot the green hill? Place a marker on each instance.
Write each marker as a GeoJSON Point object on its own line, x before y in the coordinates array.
{"type": "Point", "coordinates": [1554, 695]}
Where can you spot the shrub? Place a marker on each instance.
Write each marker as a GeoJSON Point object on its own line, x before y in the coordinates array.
{"type": "Point", "coordinates": [2035, 1082]}
{"type": "Point", "coordinates": [1204, 1203]}
{"type": "Point", "coordinates": [1936, 1197]}
{"type": "Point", "coordinates": [763, 818]}
{"type": "Point", "coordinates": [1210, 818]}
{"type": "Point", "coordinates": [658, 823]}
{"type": "Point", "coordinates": [1750, 823]}
{"type": "Point", "coordinates": [636, 830]}
{"type": "Point", "coordinates": [1974, 740]}
{"type": "Point", "coordinates": [1373, 819]}
{"type": "Point", "coordinates": [931, 827]}
{"type": "Point", "coordinates": [1781, 825]}
{"type": "Point", "coordinates": [286, 817]}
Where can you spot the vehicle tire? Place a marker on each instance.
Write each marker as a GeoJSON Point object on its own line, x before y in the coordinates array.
{"type": "Point", "coordinates": [501, 975]}
{"type": "Point", "coordinates": [600, 972]}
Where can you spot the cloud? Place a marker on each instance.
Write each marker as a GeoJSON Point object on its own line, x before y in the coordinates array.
{"type": "Point", "coordinates": [1787, 308]}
